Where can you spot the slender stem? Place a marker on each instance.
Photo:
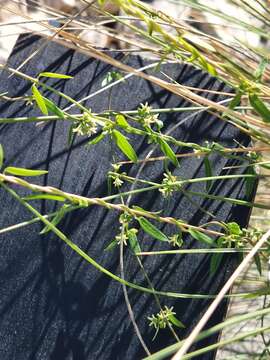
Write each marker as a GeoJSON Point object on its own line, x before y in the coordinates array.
{"type": "Point", "coordinates": [91, 261]}
{"type": "Point", "coordinates": [189, 341]}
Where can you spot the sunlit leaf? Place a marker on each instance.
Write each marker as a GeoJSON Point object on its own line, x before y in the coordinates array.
{"type": "Point", "coordinates": [45, 197]}
{"type": "Point", "coordinates": [176, 322]}
{"type": "Point", "coordinates": [24, 172]}
{"type": "Point", "coordinates": [261, 69]}
{"type": "Point", "coordinates": [55, 75]}
{"type": "Point", "coordinates": [234, 228]}
{"type": "Point", "coordinates": [123, 144]}
{"type": "Point", "coordinates": [53, 108]}
{"type": "Point", "coordinates": [96, 139]}
{"type": "Point", "coordinates": [39, 100]}
{"type": "Point", "coordinates": [133, 242]}
{"type": "Point", "coordinates": [152, 230]}
{"type": "Point", "coordinates": [167, 151]}
{"type": "Point", "coordinates": [260, 107]}
{"type": "Point", "coordinates": [236, 101]}
{"type": "Point", "coordinates": [198, 235]}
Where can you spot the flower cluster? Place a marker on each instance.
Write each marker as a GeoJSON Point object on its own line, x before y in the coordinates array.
{"type": "Point", "coordinates": [169, 185]}
{"type": "Point", "coordinates": [116, 176]}
{"type": "Point", "coordinates": [86, 125]}
{"type": "Point", "coordinates": [176, 240]}
{"type": "Point", "coordinates": [147, 118]}
{"type": "Point", "coordinates": [162, 319]}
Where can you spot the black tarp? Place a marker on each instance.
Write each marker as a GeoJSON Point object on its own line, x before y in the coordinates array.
{"type": "Point", "coordinates": [53, 304]}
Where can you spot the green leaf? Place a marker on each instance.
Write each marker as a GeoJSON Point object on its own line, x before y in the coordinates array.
{"type": "Point", "coordinates": [167, 151]}
{"type": "Point", "coordinates": [150, 26]}
{"type": "Point", "coordinates": [55, 75]}
{"type": "Point", "coordinates": [176, 322]}
{"type": "Point", "coordinates": [152, 230]}
{"type": "Point", "coordinates": [261, 69]}
{"type": "Point", "coordinates": [24, 172]}
{"type": "Point", "coordinates": [1, 156]}
{"type": "Point", "coordinates": [234, 228]}
{"type": "Point", "coordinates": [123, 144]}
{"type": "Point", "coordinates": [133, 242]}
{"type": "Point", "coordinates": [208, 172]}
{"type": "Point", "coordinates": [145, 211]}
{"type": "Point", "coordinates": [53, 108]}
{"type": "Point", "coordinates": [121, 121]}
{"type": "Point", "coordinates": [236, 101]}
{"type": "Point", "coordinates": [39, 100]}
{"type": "Point", "coordinates": [259, 106]}
{"type": "Point", "coordinates": [96, 139]}
{"type": "Point", "coordinates": [44, 197]}
{"type": "Point", "coordinates": [201, 237]}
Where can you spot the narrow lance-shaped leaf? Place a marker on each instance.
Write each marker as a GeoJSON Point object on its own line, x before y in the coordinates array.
{"type": "Point", "coordinates": [44, 197]}
{"type": "Point", "coordinates": [96, 139]}
{"type": "Point", "coordinates": [261, 69]}
{"type": "Point", "coordinates": [53, 108]}
{"type": "Point", "coordinates": [39, 100]}
{"type": "Point", "coordinates": [55, 75]}
{"type": "Point", "coordinates": [260, 107]}
{"type": "Point", "coordinates": [201, 237]}
{"type": "Point", "coordinates": [133, 242]}
{"type": "Point", "coordinates": [167, 151]}
{"type": "Point", "coordinates": [208, 172]}
{"type": "Point", "coordinates": [24, 172]}
{"type": "Point", "coordinates": [1, 156]}
{"type": "Point", "coordinates": [123, 144]}
{"type": "Point", "coordinates": [236, 101]}
{"type": "Point", "coordinates": [152, 229]}
{"type": "Point", "coordinates": [176, 322]}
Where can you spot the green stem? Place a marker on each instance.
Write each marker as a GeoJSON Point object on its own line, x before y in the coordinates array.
{"type": "Point", "coordinates": [91, 261]}
{"type": "Point", "coordinates": [164, 353]}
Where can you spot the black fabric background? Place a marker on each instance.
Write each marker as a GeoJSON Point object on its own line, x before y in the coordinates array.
{"type": "Point", "coordinates": [53, 305]}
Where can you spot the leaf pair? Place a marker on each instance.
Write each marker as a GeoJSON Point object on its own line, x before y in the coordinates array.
{"type": "Point", "coordinates": [45, 105]}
